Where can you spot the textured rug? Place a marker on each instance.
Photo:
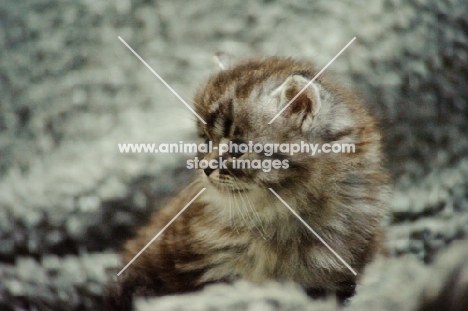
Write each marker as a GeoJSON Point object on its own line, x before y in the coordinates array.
{"type": "Point", "coordinates": [71, 91]}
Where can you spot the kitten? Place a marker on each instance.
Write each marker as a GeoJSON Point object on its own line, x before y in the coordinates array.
{"type": "Point", "coordinates": [237, 229]}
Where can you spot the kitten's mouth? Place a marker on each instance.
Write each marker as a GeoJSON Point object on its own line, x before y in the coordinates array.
{"type": "Point", "coordinates": [227, 187]}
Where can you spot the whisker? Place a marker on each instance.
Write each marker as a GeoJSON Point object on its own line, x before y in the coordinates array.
{"type": "Point", "coordinates": [230, 213]}
{"type": "Point", "coordinates": [250, 216]}
{"type": "Point", "coordinates": [239, 209]}
{"type": "Point", "coordinates": [230, 210]}
{"type": "Point", "coordinates": [258, 217]}
{"type": "Point", "coordinates": [255, 215]}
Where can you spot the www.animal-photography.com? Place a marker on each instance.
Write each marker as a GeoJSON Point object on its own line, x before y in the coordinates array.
{"type": "Point", "coordinates": [233, 155]}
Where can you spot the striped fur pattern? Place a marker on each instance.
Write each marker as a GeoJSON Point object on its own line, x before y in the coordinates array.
{"type": "Point", "coordinates": [237, 229]}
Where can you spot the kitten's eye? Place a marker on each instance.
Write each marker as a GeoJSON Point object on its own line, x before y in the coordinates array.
{"type": "Point", "coordinates": [237, 148]}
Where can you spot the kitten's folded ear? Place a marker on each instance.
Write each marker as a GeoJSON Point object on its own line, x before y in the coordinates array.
{"type": "Point", "coordinates": [224, 60]}
{"type": "Point", "coordinates": [301, 97]}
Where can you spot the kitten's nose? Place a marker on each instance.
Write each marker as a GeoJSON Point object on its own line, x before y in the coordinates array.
{"type": "Point", "coordinates": [208, 171]}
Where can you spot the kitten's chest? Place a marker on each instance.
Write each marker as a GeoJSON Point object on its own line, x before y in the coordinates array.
{"type": "Point", "coordinates": [250, 256]}
{"type": "Point", "coordinates": [272, 245]}
{"type": "Point", "coordinates": [265, 260]}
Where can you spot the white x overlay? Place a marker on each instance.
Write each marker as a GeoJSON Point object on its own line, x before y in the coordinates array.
{"type": "Point", "coordinates": [162, 80]}
{"type": "Point", "coordinates": [313, 231]}
{"type": "Point", "coordinates": [160, 232]}
{"type": "Point", "coordinates": [199, 193]}
{"type": "Point", "coordinates": [312, 81]}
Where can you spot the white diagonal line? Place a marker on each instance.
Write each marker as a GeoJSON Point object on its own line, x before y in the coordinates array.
{"type": "Point", "coordinates": [312, 230]}
{"type": "Point", "coordinates": [162, 80]}
{"type": "Point", "coordinates": [157, 235]}
{"type": "Point", "coordinates": [311, 81]}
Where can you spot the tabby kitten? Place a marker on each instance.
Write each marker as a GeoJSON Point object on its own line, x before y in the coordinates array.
{"type": "Point", "coordinates": [237, 229]}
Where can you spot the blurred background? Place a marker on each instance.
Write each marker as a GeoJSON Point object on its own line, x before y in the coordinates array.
{"type": "Point", "coordinates": [70, 91]}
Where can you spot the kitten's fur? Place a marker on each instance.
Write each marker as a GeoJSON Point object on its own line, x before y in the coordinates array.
{"type": "Point", "coordinates": [237, 228]}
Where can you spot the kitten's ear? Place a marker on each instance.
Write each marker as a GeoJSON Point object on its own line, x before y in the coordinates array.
{"type": "Point", "coordinates": [224, 60]}
{"type": "Point", "coordinates": [305, 102]}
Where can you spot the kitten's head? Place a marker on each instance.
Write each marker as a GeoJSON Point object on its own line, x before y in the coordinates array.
{"type": "Point", "coordinates": [238, 105]}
